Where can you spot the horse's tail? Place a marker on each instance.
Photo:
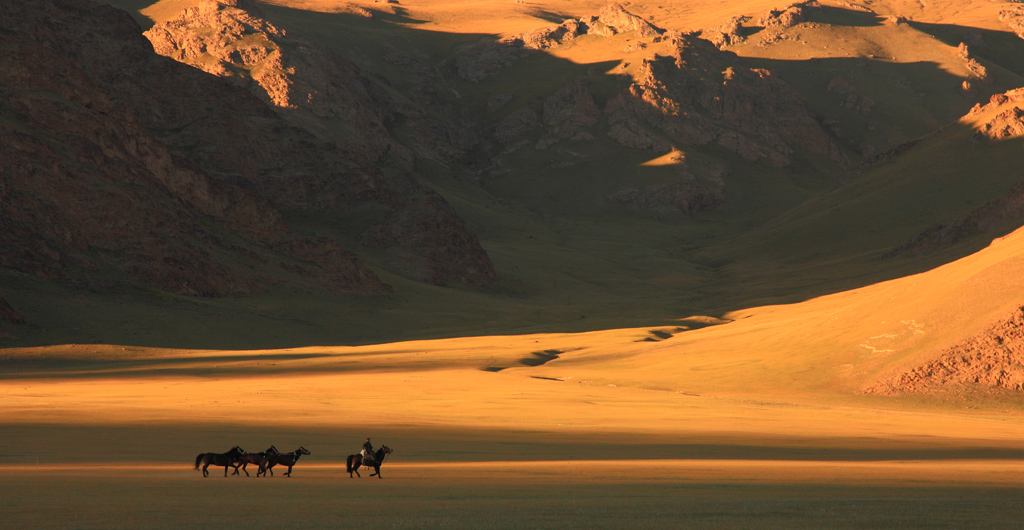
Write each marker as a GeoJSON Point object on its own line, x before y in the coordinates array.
{"type": "Point", "coordinates": [348, 463]}
{"type": "Point", "coordinates": [199, 460]}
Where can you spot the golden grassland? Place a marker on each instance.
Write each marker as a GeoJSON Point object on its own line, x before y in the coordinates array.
{"type": "Point", "coordinates": [755, 421]}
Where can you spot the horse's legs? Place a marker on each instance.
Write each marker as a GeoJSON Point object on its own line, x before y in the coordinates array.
{"type": "Point", "coordinates": [226, 469]}
{"type": "Point", "coordinates": [205, 472]}
{"type": "Point", "coordinates": [243, 469]}
{"type": "Point", "coordinates": [289, 473]}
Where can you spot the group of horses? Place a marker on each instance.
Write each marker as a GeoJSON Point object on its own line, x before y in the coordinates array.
{"type": "Point", "coordinates": [237, 458]}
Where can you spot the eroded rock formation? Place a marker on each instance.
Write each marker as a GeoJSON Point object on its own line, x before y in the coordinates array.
{"type": "Point", "coordinates": [310, 87]}
{"type": "Point", "coordinates": [118, 158]}
{"type": "Point", "coordinates": [485, 58]}
{"type": "Point", "coordinates": [85, 184]}
{"type": "Point", "coordinates": [697, 96]}
{"type": "Point", "coordinates": [993, 359]}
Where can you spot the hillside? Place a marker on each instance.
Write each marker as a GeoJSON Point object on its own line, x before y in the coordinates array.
{"type": "Point", "coordinates": [617, 169]}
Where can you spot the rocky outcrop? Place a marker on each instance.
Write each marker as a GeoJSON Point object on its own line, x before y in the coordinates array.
{"type": "Point", "coordinates": [1013, 18]}
{"type": "Point", "coordinates": [1005, 125]}
{"type": "Point", "coordinates": [85, 184]}
{"type": "Point", "coordinates": [698, 95]}
{"type": "Point", "coordinates": [231, 39]}
{"type": "Point", "coordinates": [614, 19]}
{"type": "Point", "coordinates": [325, 96]}
{"type": "Point", "coordinates": [485, 58]}
{"type": "Point", "coordinates": [729, 34]}
{"type": "Point", "coordinates": [993, 359]}
{"type": "Point", "coordinates": [976, 71]}
{"type": "Point", "coordinates": [780, 19]}
{"type": "Point", "coordinates": [118, 158]}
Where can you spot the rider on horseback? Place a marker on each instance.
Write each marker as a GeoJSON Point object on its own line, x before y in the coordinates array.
{"type": "Point", "coordinates": [367, 451]}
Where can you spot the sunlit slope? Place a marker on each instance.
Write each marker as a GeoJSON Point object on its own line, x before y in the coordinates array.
{"type": "Point", "coordinates": [831, 346]}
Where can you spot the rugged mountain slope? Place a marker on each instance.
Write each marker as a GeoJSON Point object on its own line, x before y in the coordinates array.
{"type": "Point", "coordinates": [618, 168]}
{"type": "Point", "coordinates": [118, 160]}
{"type": "Point", "coordinates": [321, 93]}
{"type": "Point", "coordinates": [86, 184]}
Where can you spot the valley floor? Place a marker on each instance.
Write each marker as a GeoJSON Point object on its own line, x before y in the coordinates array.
{"type": "Point", "coordinates": [105, 437]}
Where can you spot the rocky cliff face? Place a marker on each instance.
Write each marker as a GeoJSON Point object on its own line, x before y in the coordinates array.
{"type": "Point", "coordinates": [685, 96]}
{"type": "Point", "coordinates": [346, 114]}
{"type": "Point", "coordinates": [485, 58]}
{"type": "Point", "coordinates": [117, 158]}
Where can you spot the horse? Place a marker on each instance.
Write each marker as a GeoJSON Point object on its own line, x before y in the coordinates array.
{"type": "Point", "coordinates": [354, 461]}
{"type": "Point", "coordinates": [228, 459]}
{"type": "Point", "coordinates": [255, 458]}
{"type": "Point", "coordinates": [285, 459]}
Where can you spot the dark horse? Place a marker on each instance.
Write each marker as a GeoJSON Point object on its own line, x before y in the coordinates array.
{"type": "Point", "coordinates": [255, 458]}
{"type": "Point", "coordinates": [228, 459]}
{"type": "Point", "coordinates": [285, 459]}
{"type": "Point", "coordinates": [354, 461]}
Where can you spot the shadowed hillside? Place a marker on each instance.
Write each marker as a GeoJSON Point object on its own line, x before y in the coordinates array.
{"type": "Point", "coordinates": [618, 172]}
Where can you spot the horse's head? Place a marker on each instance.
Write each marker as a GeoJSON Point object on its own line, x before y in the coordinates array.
{"type": "Point", "coordinates": [237, 450]}
{"type": "Point", "coordinates": [302, 451]}
{"type": "Point", "coordinates": [385, 449]}
{"type": "Point", "coordinates": [272, 449]}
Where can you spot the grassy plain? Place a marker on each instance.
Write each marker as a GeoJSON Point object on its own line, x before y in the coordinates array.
{"type": "Point", "coordinates": [759, 421]}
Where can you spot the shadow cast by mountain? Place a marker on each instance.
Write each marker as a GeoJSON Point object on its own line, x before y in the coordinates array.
{"type": "Point", "coordinates": [592, 265]}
